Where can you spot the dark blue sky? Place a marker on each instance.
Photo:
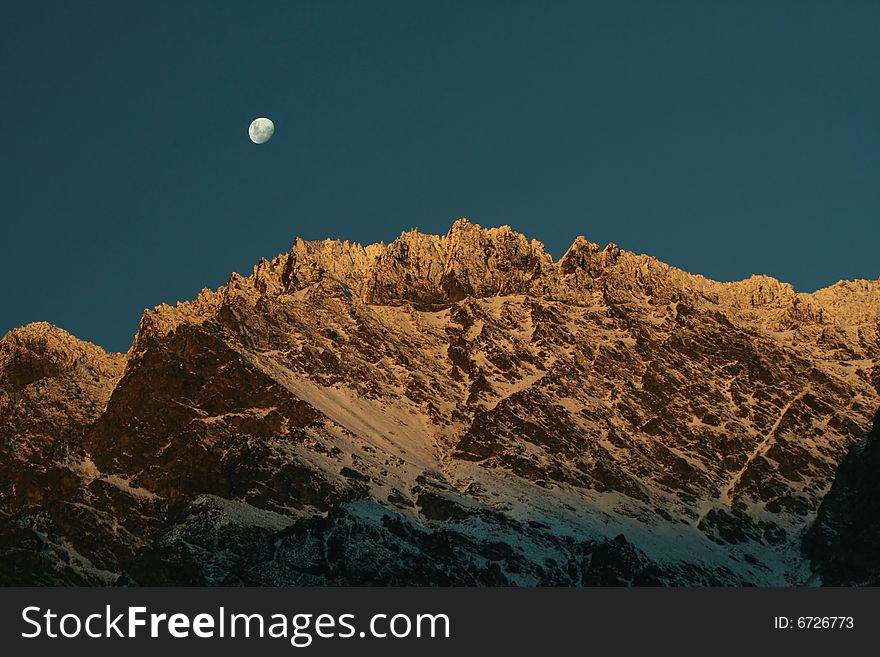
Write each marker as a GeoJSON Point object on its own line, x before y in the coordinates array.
{"type": "Point", "coordinates": [727, 138]}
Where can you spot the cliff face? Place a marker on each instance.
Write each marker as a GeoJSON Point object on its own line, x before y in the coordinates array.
{"type": "Point", "coordinates": [455, 409]}
{"type": "Point", "coordinates": [842, 542]}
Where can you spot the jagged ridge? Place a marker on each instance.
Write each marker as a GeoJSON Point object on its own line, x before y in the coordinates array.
{"type": "Point", "coordinates": [470, 261]}
{"type": "Point", "coordinates": [604, 418]}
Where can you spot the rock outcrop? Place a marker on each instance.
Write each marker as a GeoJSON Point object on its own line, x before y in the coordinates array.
{"type": "Point", "coordinates": [842, 542]}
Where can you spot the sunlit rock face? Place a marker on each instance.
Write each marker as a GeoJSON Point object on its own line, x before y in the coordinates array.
{"type": "Point", "coordinates": [456, 409]}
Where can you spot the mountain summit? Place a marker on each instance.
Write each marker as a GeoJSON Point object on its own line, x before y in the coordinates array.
{"type": "Point", "coordinates": [455, 409]}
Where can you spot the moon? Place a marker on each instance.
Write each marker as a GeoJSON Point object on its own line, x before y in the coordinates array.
{"type": "Point", "coordinates": [261, 130]}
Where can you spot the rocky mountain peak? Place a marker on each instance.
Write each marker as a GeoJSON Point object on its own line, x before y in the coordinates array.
{"type": "Point", "coordinates": [469, 261]}
{"type": "Point", "coordinates": [40, 350]}
{"type": "Point", "coordinates": [588, 258]}
{"type": "Point", "coordinates": [603, 418]}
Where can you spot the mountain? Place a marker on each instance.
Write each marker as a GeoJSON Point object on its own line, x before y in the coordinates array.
{"type": "Point", "coordinates": [455, 409]}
